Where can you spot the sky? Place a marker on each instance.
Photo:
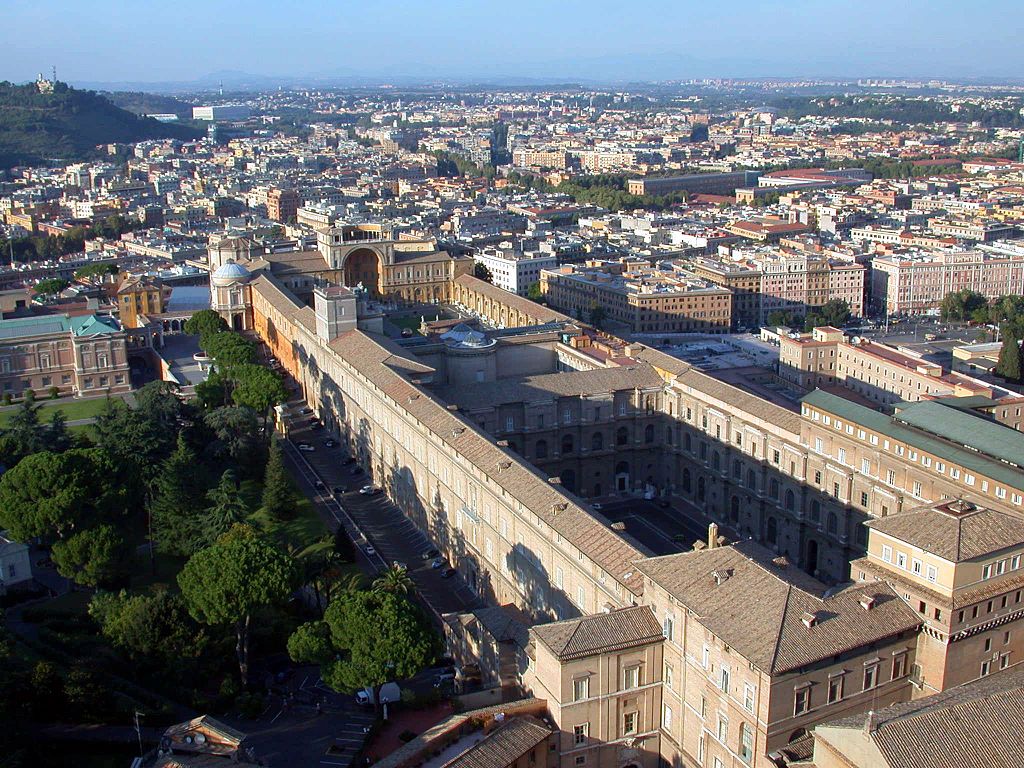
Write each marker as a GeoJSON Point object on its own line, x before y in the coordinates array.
{"type": "Point", "coordinates": [599, 40]}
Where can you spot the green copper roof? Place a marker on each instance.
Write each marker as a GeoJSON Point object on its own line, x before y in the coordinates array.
{"type": "Point", "coordinates": [83, 325]}
{"type": "Point", "coordinates": [966, 445]}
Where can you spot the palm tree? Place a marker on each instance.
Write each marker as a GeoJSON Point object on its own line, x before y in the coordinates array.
{"type": "Point", "coordinates": [395, 579]}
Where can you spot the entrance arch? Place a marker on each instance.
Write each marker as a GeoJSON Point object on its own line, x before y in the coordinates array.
{"type": "Point", "coordinates": [364, 265]}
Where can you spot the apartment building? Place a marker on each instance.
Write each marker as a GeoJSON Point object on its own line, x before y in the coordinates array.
{"type": "Point", "coordinates": [512, 270]}
{"type": "Point", "coordinates": [764, 281]}
{"type": "Point", "coordinates": [694, 183]}
{"type": "Point", "coordinates": [541, 158]}
{"type": "Point", "coordinates": [642, 299]}
{"type": "Point", "coordinates": [878, 372]}
{"type": "Point", "coordinates": [957, 565]}
{"type": "Point", "coordinates": [913, 283]}
{"type": "Point", "coordinates": [282, 204]}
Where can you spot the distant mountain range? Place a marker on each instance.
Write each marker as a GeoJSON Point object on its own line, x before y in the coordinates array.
{"type": "Point", "coordinates": [68, 124]}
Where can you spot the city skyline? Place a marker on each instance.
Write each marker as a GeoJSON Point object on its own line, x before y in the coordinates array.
{"type": "Point", "coordinates": [471, 41]}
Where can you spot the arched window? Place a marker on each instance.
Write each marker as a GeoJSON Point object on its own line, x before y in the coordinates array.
{"type": "Point", "coordinates": [790, 500]}
{"type": "Point", "coordinates": [597, 441]}
{"type": "Point", "coordinates": [716, 460]}
{"type": "Point", "coordinates": [649, 433]}
{"type": "Point", "coordinates": [773, 489]}
{"type": "Point", "coordinates": [751, 480]}
{"type": "Point", "coordinates": [540, 450]}
{"type": "Point", "coordinates": [815, 511]}
{"type": "Point", "coordinates": [833, 523]}
{"type": "Point", "coordinates": [621, 436]}
{"type": "Point", "coordinates": [567, 445]}
{"type": "Point", "coordinates": [687, 487]}
{"type": "Point", "coordinates": [688, 442]}
{"type": "Point", "coordinates": [771, 533]}
{"type": "Point", "coordinates": [737, 469]}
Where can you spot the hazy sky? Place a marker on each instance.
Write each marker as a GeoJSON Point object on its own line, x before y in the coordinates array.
{"type": "Point", "coordinates": [146, 40]}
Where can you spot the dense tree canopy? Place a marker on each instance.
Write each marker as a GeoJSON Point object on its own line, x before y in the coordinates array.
{"type": "Point", "coordinates": [961, 305]}
{"type": "Point", "coordinates": [94, 557]}
{"type": "Point", "coordinates": [223, 584]}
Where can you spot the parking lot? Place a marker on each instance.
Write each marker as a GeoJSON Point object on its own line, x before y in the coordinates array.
{"type": "Point", "coordinates": [383, 534]}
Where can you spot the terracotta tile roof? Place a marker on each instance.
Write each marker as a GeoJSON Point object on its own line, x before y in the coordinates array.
{"type": "Point", "coordinates": [953, 536]}
{"type": "Point", "coordinates": [971, 725]}
{"type": "Point", "coordinates": [590, 635]}
{"type": "Point", "coordinates": [504, 745]}
{"type": "Point", "coordinates": [537, 311]}
{"type": "Point", "coordinates": [758, 605]}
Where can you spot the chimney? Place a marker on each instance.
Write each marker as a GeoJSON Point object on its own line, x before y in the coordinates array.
{"type": "Point", "coordinates": [867, 602]}
{"type": "Point", "coordinates": [712, 535]}
{"type": "Point", "coordinates": [870, 723]}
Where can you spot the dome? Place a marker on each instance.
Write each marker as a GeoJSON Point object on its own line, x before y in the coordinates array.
{"type": "Point", "coordinates": [230, 272]}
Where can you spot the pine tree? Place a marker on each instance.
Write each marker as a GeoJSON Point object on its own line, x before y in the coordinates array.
{"type": "Point", "coordinates": [1009, 363]}
{"type": "Point", "coordinates": [226, 508]}
{"type": "Point", "coordinates": [277, 487]}
{"type": "Point", "coordinates": [177, 501]}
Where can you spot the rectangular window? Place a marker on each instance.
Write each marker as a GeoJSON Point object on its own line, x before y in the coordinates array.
{"type": "Point", "coordinates": [899, 666]}
{"type": "Point", "coordinates": [630, 678]}
{"type": "Point", "coordinates": [666, 717]}
{"type": "Point", "coordinates": [933, 574]}
{"type": "Point", "coordinates": [669, 676]}
{"type": "Point", "coordinates": [723, 679]}
{"type": "Point", "coordinates": [581, 689]}
{"type": "Point", "coordinates": [723, 729]}
{"type": "Point", "coordinates": [835, 689]}
{"type": "Point", "coordinates": [749, 692]}
{"type": "Point", "coordinates": [746, 743]}
{"type": "Point", "coordinates": [870, 677]}
{"type": "Point", "coordinates": [801, 701]}
{"type": "Point", "coordinates": [629, 722]}
{"type": "Point", "coordinates": [580, 733]}
{"type": "Point", "coordinates": [986, 571]}
{"type": "Point", "coordinates": [986, 667]}
{"type": "Point", "coordinates": [887, 553]}
{"type": "Point", "coordinates": [705, 657]}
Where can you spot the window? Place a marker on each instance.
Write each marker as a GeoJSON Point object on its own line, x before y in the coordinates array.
{"type": "Point", "coordinates": [916, 566]}
{"type": "Point", "coordinates": [581, 760]}
{"type": "Point", "coordinates": [899, 666]}
{"type": "Point", "coordinates": [835, 689]}
{"type": "Point", "coordinates": [986, 571]}
{"type": "Point", "coordinates": [916, 489]}
{"type": "Point", "coordinates": [887, 553]}
{"type": "Point", "coordinates": [901, 560]}
{"type": "Point", "coordinates": [705, 657]}
{"type": "Point", "coordinates": [723, 729]}
{"type": "Point", "coordinates": [666, 716]}
{"type": "Point", "coordinates": [700, 749]}
{"type": "Point", "coordinates": [669, 676]}
{"type": "Point", "coordinates": [863, 499]}
{"type": "Point", "coordinates": [630, 678]}
{"type": "Point", "coordinates": [986, 667]}
{"type": "Point", "coordinates": [580, 733]}
{"type": "Point", "coordinates": [746, 743]}
{"type": "Point", "coordinates": [801, 700]}
{"type": "Point", "coordinates": [667, 627]}
{"type": "Point", "coordinates": [932, 573]}
{"type": "Point", "coordinates": [581, 689]}
{"type": "Point", "coordinates": [749, 692]}
{"type": "Point", "coordinates": [703, 708]}
{"type": "Point", "coordinates": [870, 677]}
{"type": "Point", "coordinates": [723, 679]}
{"type": "Point", "coordinates": [629, 722]}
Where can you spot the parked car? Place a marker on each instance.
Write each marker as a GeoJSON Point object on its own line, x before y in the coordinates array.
{"type": "Point", "coordinates": [306, 447]}
{"type": "Point", "coordinates": [369, 550]}
{"type": "Point", "coordinates": [329, 443]}
{"type": "Point", "coordinates": [319, 485]}
{"type": "Point", "coordinates": [444, 677]}
{"type": "Point", "coordinates": [389, 693]}
{"type": "Point", "coordinates": [430, 554]}
{"type": "Point", "coordinates": [447, 573]}
{"type": "Point", "coordinates": [369, 490]}
{"type": "Point", "coordinates": [437, 563]}
{"type": "Point", "coordinates": [597, 505]}
{"type": "Point", "coordinates": [338, 490]}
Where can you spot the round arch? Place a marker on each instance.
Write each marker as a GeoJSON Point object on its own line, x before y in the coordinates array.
{"type": "Point", "coordinates": [366, 266]}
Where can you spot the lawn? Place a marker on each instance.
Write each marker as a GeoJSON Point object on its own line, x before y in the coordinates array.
{"type": "Point", "coordinates": [412, 322]}
{"type": "Point", "coordinates": [305, 527]}
{"type": "Point", "coordinates": [72, 409]}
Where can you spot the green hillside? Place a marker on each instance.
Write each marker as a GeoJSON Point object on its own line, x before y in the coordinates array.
{"type": "Point", "coordinates": [150, 103]}
{"type": "Point", "coordinates": [68, 124]}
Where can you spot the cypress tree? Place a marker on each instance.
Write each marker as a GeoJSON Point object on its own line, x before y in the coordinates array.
{"type": "Point", "coordinates": [278, 498]}
{"type": "Point", "coordinates": [177, 501]}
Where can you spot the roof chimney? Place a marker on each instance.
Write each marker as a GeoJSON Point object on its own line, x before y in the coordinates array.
{"type": "Point", "coordinates": [870, 723]}
{"type": "Point", "coordinates": [712, 535]}
{"type": "Point", "coordinates": [867, 602]}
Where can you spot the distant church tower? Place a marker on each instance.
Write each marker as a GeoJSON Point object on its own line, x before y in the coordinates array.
{"type": "Point", "coordinates": [235, 249]}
